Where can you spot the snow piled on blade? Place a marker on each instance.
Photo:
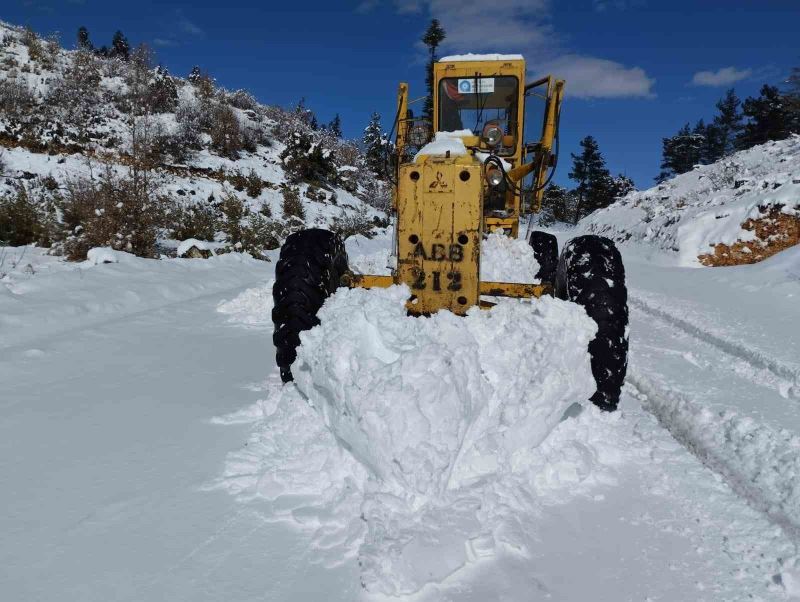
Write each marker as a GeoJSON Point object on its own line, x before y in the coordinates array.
{"type": "Point", "coordinates": [440, 414]}
{"type": "Point", "coordinates": [429, 404]}
{"type": "Point", "coordinates": [506, 259]}
{"type": "Point", "coordinates": [419, 438]}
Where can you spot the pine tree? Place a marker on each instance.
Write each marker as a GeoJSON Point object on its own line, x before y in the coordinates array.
{"type": "Point", "coordinates": [622, 186]}
{"type": "Point", "coordinates": [306, 114]}
{"type": "Point", "coordinates": [727, 124]}
{"type": "Point", "coordinates": [119, 47]}
{"type": "Point", "coordinates": [792, 98]}
{"type": "Point", "coordinates": [793, 92]}
{"type": "Point", "coordinates": [163, 92]}
{"type": "Point", "coordinates": [558, 204]}
{"type": "Point", "coordinates": [335, 126]}
{"type": "Point", "coordinates": [194, 75]}
{"type": "Point", "coordinates": [770, 117]}
{"type": "Point", "coordinates": [595, 185]}
{"type": "Point", "coordinates": [374, 144]}
{"type": "Point", "coordinates": [433, 36]}
{"type": "Point", "coordinates": [83, 39]}
{"type": "Point", "coordinates": [682, 151]}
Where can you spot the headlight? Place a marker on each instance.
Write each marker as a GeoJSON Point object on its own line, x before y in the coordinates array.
{"type": "Point", "coordinates": [492, 134]}
{"type": "Point", "coordinates": [419, 134]}
{"type": "Point", "coordinates": [494, 176]}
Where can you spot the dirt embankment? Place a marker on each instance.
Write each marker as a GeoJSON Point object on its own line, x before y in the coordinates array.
{"type": "Point", "coordinates": [774, 231]}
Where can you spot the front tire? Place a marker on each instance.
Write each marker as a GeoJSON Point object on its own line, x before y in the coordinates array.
{"type": "Point", "coordinates": [308, 271]}
{"type": "Point", "coordinates": [545, 250]}
{"type": "Point", "coordinates": [590, 272]}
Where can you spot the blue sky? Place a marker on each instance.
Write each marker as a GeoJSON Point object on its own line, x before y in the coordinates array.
{"type": "Point", "coordinates": [636, 70]}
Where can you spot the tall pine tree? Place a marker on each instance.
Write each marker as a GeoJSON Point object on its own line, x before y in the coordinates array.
{"type": "Point", "coordinates": [726, 127]}
{"type": "Point", "coordinates": [335, 126]}
{"type": "Point", "coordinates": [681, 152]}
{"type": "Point", "coordinates": [374, 142]}
{"type": "Point", "coordinates": [83, 39]}
{"type": "Point", "coordinates": [120, 48]}
{"type": "Point", "coordinates": [595, 187]}
{"type": "Point", "coordinates": [434, 36]}
{"type": "Point", "coordinates": [793, 92]}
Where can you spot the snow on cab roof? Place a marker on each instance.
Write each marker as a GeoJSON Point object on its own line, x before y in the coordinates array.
{"type": "Point", "coordinates": [481, 57]}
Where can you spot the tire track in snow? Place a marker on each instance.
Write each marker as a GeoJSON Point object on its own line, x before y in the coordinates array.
{"type": "Point", "coordinates": [761, 464]}
{"type": "Point", "coordinates": [787, 377]}
{"type": "Point", "coordinates": [760, 461]}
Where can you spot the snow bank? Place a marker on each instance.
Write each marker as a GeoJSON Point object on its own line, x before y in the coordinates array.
{"type": "Point", "coordinates": [253, 307]}
{"type": "Point", "coordinates": [99, 255]}
{"type": "Point", "coordinates": [185, 246]}
{"type": "Point", "coordinates": [692, 212]}
{"type": "Point", "coordinates": [126, 286]}
{"type": "Point", "coordinates": [429, 404]}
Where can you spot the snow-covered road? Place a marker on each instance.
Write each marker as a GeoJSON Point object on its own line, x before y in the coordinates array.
{"type": "Point", "coordinates": [144, 436]}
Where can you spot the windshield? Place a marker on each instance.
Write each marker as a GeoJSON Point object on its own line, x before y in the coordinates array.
{"type": "Point", "coordinates": [472, 103]}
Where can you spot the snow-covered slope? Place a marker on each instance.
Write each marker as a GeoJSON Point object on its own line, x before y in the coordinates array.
{"type": "Point", "coordinates": [50, 127]}
{"type": "Point", "coordinates": [694, 212]}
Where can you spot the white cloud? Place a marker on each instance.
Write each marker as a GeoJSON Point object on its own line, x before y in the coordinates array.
{"type": "Point", "coordinates": [604, 5]}
{"type": "Point", "coordinates": [523, 26]}
{"type": "Point", "coordinates": [188, 26]}
{"type": "Point", "coordinates": [722, 77]}
{"type": "Point", "coordinates": [590, 77]}
{"type": "Point", "coordinates": [366, 6]}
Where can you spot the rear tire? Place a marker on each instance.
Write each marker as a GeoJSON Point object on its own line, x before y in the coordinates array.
{"type": "Point", "coordinates": [590, 272]}
{"type": "Point", "coordinates": [308, 271]}
{"type": "Point", "coordinates": [545, 249]}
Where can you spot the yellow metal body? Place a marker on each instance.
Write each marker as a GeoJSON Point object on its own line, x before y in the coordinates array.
{"type": "Point", "coordinates": [440, 200]}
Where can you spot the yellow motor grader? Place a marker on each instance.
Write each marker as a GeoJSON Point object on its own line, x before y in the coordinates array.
{"type": "Point", "coordinates": [455, 178]}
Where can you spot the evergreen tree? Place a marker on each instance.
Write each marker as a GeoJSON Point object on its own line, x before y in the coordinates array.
{"type": "Point", "coordinates": [374, 144]}
{"type": "Point", "coordinates": [306, 114]}
{"type": "Point", "coordinates": [119, 47]}
{"type": "Point", "coordinates": [770, 117]}
{"type": "Point", "coordinates": [433, 36]}
{"type": "Point", "coordinates": [335, 126]}
{"type": "Point", "coordinates": [682, 151]}
{"type": "Point", "coordinates": [163, 92]}
{"type": "Point", "coordinates": [83, 39]}
{"type": "Point", "coordinates": [194, 75]}
{"type": "Point", "coordinates": [307, 160]}
{"type": "Point", "coordinates": [622, 186]}
{"type": "Point", "coordinates": [558, 204]}
{"type": "Point", "coordinates": [726, 127]}
{"type": "Point", "coordinates": [595, 186]}
{"type": "Point", "coordinates": [793, 92]}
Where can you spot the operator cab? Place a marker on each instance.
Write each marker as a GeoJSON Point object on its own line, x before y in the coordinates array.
{"type": "Point", "coordinates": [481, 106]}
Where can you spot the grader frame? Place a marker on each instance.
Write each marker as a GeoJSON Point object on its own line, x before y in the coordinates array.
{"type": "Point", "coordinates": [440, 200]}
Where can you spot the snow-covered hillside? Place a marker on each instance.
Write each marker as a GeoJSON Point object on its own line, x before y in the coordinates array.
{"type": "Point", "coordinates": [68, 116]}
{"type": "Point", "coordinates": [738, 210]}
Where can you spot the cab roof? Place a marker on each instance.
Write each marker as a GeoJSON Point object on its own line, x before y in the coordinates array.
{"type": "Point", "coordinates": [456, 58]}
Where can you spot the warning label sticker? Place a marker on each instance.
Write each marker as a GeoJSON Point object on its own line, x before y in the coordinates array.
{"type": "Point", "coordinates": [476, 85]}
